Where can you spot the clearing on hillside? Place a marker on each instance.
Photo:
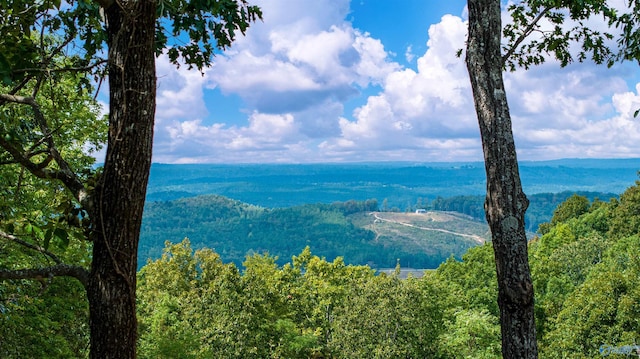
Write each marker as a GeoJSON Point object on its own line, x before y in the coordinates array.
{"type": "Point", "coordinates": [430, 231]}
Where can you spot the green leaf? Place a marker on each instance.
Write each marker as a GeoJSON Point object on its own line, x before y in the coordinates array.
{"type": "Point", "coordinates": [63, 238]}
{"type": "Point", "coordinates": [10, 228]}
{"type": "Point", "coordinates": [47, 239]}
{"type": "Point", "coordinates": [38, 233]}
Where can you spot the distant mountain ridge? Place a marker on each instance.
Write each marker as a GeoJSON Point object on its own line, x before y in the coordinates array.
{"type": "Point", "coordinates": [400, 183]}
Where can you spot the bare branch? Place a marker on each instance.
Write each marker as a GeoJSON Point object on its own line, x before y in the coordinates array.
{"type": "Point", "coordinates": [30, 246]}
{"type": "Point", "coordinates": [63, 69]}
{"type": "Point", "coordinates": [18, 99]}
{"type": "Point", "coordinates": [58, 270]}
{"type": "Point", "coordinates": [524, 34]}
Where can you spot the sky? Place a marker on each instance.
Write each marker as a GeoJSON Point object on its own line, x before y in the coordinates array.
{"type": "Point", "coordinates": [321, 81]}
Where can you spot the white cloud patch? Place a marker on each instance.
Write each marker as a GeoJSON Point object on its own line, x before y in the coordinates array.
{"type": "Point", "coordinates": [408, 54]}
{"type": "Point", "coordinates": [179, 92]}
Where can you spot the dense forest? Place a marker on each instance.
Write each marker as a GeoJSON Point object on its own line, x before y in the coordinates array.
{"type": "Point", "coordinates": [541, 205]}
{"type": "Point", "coordinates": [234, 229]}
{"type": "Point", "coordinates": [194, 305]}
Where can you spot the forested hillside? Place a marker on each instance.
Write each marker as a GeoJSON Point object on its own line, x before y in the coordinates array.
{"type": "Point", "coordinates": [192, 304]}
{"type": "Point", "coordinates": [585, 270]}
{"type": "Point", "coordinates": [235, 229]}
{"type": "Point", "coordinates": [541, 205]}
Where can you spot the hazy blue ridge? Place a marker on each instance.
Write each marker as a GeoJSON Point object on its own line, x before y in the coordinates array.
{"type": "Point", "coordinates": [401, 184]}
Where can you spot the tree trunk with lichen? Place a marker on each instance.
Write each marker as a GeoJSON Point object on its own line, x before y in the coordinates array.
{"type": "Point", "coordinates": [120, 195]}
{"type": "Point", "coordinates": [505, 203]}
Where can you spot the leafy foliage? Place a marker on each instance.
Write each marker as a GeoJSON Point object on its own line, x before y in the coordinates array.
{"type": "Point", "coordinates": [41, 222]}
{"type": "Point", "coordinates": [47, 318]}
{"type": "Point", "coordinates": [561, 29]}
{"type": "Point", "coordinates": [47, 47]}
{"type": "Point", "coordinates": [194, 306]}
{"type": "Point", "coordinates": [585, 271]}
{"type": "Point", "coordinates": [209, 26]}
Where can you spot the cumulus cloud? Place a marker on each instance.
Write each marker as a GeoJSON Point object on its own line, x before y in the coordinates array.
{"type": "Point", "coordinates": [296, 71]}
{"type": "Point", "coordinates": [422, 110]}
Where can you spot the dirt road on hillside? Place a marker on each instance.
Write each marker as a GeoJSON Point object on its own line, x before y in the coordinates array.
{"type": "Point", "coordinates": [474, 237]}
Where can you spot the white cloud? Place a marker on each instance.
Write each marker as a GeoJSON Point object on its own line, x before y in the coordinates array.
{"type": "Point", "coordinates": [179, 92]}
{"type": "Point", "coordinates": [417, 108]}
{"type": "Point", "coordinates": [408, 54]}
{"type": "Point", "coordinates": [296, 71]}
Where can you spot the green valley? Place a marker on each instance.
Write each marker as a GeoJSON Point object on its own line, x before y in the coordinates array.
{"type": "Point", "coordinates": [359, 231]}
{"type": "Point", "coordinates": [353, 230]}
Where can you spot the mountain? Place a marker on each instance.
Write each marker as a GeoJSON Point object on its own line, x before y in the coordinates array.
{"type": "Point", "coordinates": [353, 230]}
{"type": "Point", "coordinates": [402, 184]}
{"type": "Point", "coordinates": [280, 209]}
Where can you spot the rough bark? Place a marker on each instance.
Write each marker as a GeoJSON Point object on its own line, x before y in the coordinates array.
{"type": "Point", "coordinates": [505, 203]}
{"type": "Point", "coordinates": [121, 193]}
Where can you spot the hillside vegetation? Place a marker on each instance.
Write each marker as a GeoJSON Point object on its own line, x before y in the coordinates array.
{"type": "Point", "coordinates": [541, 205]}
{"type": "Point", "coordinates": [358, 231]}
{"type": "Point", "coordinates": [352, 230]}
{"type": "Point", "coordinates": [192, 304]}
{"type": "Point", "coordinates": [585, 269]}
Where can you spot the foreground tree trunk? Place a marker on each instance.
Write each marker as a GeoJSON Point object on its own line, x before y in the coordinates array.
{"type": "Point", "coordinates": [119, 198]}
{"type": "Point", "coordinates": [506, 203]}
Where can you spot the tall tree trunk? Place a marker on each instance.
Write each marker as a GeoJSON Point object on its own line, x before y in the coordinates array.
{"type": "Point", "coordinates": [121, 193]}
{"type": "Point", "coordinates": [505, 203]}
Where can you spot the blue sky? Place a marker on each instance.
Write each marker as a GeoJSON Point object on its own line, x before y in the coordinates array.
{"type": "Point", "coordinates": [377, 80]}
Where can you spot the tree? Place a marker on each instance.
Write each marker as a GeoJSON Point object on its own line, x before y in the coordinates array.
{"type": "Point", "coordinates": [383, 316]}
{"type": "Point", "coordinates": [134, 32]}
{"type": "Point", "coordinates": [505, 202]}
{"type": "Point", "coordinates": [602, 311]}
{"type": "Point", "coordinates": [49, 316]}
{"type": "Point", "coordinates": [625, 217]}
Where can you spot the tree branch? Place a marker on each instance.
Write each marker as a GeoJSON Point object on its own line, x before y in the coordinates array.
{"type": "Point", "coordinates": [30, 246]}
{"type": "Point", "coordinates": [524, 34]}
{"type": "Point", "coordinates": [63, 69]}
{"type": "Point", "coordinates": [65, 174]}
{"type": "Point", "coordinates": [17, 88]}
{"type": "Point", "coordinates": [58, 270]}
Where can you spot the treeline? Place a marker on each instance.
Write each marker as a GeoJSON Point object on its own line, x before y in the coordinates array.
{"type": "Point", "coordinates": [585, 269]}
{"type": "Point", "coordinates": [540, 209]}
{"type": "Point", "coordinates": [233, 229]}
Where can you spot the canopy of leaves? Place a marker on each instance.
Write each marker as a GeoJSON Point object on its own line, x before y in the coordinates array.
{"type": "Point", "coordinates": [194, 306]}
{"type": "Point", "coordinates": [189, 31]}
{"type": "Point", "coordinates": [562, 29]}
